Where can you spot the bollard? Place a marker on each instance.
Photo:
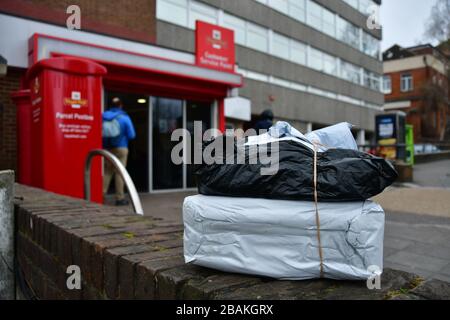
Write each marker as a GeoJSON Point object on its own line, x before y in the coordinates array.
{"type": "Point", "coordinates": [7, 281]}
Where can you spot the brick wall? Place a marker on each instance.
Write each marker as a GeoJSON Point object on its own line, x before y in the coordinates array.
{"type": "Point", "coordinates": [124, 256]}
{"type": "Point", "coordinates": [134, 20]}
{"type": "Point", "coordinates": [429, 124]}
{"type": "Point", "coordinates": [419, 77]}
{"type": "Point", "coordinates": [8, 141]}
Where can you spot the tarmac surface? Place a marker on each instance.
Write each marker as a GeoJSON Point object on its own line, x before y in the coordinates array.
{"type": "Point", "coordinates": [417, 232]}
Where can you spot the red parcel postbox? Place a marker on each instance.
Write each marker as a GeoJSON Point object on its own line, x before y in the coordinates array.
{"type": "Point", "coordinates": [66, 100]}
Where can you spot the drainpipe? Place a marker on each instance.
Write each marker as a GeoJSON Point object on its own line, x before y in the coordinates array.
{"type": "Point", "coordinates": [7, 281]}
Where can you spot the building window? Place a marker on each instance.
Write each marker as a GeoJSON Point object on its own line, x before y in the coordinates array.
{"type": "Point", "coordinates": [314, 15]}
{"type": "Point", "coordinates": [329, 64]}
{"type": "Point", "coordinates": [371, 80]}
{"type": "Point", "coordinates": [298, 52]}
{"type": "Point", "coordinates": [257, 37]}
{"type": "Point", "coordinates": [174, 11]}
{"type": "Point", "coordinates": [364, 6]}
{"type": "Point", "coordinates": [350, 72]}
{"type": "Point", "coordinates": [297, 10]}
{"type": "Point", "coordinates": [301, 87]}
{"type": "Point", "coordinates": [321, 19]}
{"type": "Point", "coordinates": [371, 46]}
{"type": "Point", "coordinates": [375, 82]}
{"type": "Point", "coordinates": [201, 12]}
{"type": "Point", "coordinates": [280, 46]}
{"type": "Point", "coordinates": [280, 5]}
{"type": "Point", "coordinates": [348, 33]}
{"type": "Point", "coordinates": [406, 82]}
{"type": "Point", "coordinates": [315, 59]}
{"type": "Point", "coordinates": [326, 21]}
{"type": "Point", "coordinates": [329, 23]}
{"type": "Point", "coordinates": [361, 5]}
{"type": "Point", "coordinates": [387, 85]}
{"type": "Point", "coordinates": [323, 62]}
{"type": "Point", "coordinates": [238, 26]}
{"type": "Point", "coordinates": [293, 8]}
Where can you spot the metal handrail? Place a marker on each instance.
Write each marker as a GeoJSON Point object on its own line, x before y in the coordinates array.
{"type": "Point", "coordinates": [136, 202]}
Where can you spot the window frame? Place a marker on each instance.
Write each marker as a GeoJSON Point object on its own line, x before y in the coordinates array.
{"type": "Point", "coordinates": [315, 55]}
{"type": "Point", "coordinates": [279, 40]}
{"type": "Point", "coordinates": [253, 28]}
{"type": "Point", "coordinates": [387, 79]}
{"type": "Point", "coordinates": [406, 78]}
{"type": "Point", "coordinates": [238, 25]}
{"type": "Point", "coordinates": [297, 6]}
{"type": "Point", "coordinates": [208, 13]}
{"type": "Point", "coordinates": [170, 18]}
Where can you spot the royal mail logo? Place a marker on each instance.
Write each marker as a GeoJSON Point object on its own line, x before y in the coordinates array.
{"type": "Point", "coordinates": [217, 35]}
{"type": "Point", "coordinates": [75, 100]}
{"type": "Point", "coordinates": [216, 40]}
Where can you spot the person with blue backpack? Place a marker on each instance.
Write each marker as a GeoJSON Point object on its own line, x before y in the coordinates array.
{"type": "Point", "coordinates": [117, 131]}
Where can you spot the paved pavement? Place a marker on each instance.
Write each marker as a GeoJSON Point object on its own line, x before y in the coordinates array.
{"type": "Point", "coordinates": [417, 200]}
{"type": "Point", "coordinates": [433, 174]}
{"type": "Point", "coordinates": [418, 244]}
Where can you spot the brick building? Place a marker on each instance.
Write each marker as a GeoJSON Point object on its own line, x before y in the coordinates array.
{"type": "Point", "coordinates": [416, 81]}
{"type": "Point", "coordinates": [313, 62]}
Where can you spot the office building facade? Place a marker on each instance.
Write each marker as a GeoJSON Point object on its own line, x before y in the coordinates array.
{"type": "Point", "coordinates": [314, 63]}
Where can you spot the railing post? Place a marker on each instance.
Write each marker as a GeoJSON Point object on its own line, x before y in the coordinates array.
{"type": "Point", "coordinates": [7, 279]}
{"type": "Point", "coordinates": [136, 202]}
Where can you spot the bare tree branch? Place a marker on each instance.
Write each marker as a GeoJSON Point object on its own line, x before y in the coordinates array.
{"type": "Point", "coordinates": [438, 26]}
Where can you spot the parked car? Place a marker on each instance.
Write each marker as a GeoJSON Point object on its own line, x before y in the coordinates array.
{"type": "Point", "coordinates": [426, 148]}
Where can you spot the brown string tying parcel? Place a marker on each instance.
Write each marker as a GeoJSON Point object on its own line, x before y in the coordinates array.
{"type": "Point", "coordinates": [317, 209]}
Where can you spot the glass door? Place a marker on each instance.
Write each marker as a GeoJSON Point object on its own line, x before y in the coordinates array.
{"type": "Point", "coordinates": [167, 116]}
{"type": "Point", "coordinates": [196, 111]}
{"type": "Point", "coordinates": [136, 106]}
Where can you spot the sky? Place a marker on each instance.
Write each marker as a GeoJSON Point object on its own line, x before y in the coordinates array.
{"type": "Point", "coordinates": [404, 21]}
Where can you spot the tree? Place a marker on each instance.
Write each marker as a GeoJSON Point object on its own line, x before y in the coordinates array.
{"type": "Point", "coordinates": [435, 106]}
{"type": "Point", "coordinates": [438, 26]}
{"type": "Point", "coordinates": [436, 98]}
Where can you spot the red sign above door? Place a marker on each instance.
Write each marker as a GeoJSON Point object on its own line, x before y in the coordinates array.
{"type": "Point", "coordinates": [214, 47]}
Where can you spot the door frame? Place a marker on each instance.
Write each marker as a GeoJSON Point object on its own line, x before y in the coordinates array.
{"type": "Point", "coordinates": [214, 122]}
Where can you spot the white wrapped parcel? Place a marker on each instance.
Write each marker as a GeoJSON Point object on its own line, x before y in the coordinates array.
{"type": "Point", "coordinates": [278, 238]}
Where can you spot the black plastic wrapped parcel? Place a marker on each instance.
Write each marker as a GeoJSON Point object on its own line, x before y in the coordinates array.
{"type": "Point", "coordinates": [342, 174]}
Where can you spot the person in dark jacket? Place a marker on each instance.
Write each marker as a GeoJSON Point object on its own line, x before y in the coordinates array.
{"type": "Point", "coordinates": [118, 146]}
{"type": "Point", "coordinates": [265, 121]}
